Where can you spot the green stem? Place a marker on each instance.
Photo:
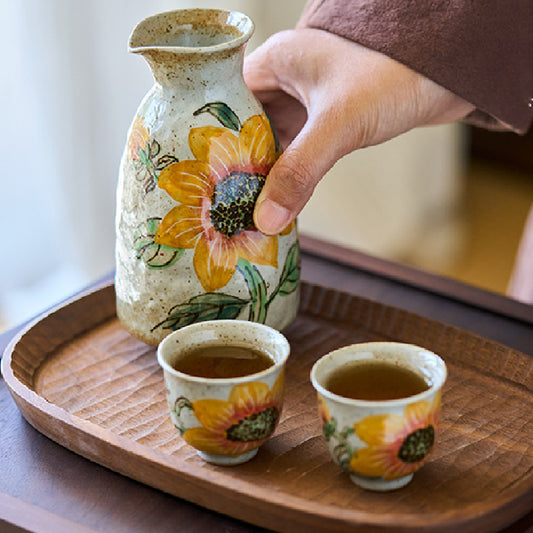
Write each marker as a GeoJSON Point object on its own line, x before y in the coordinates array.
{"type": "Point", "coordinates": [343, 450]}
{"type": "Point", "coordinates": [261, 307]}
{"type": "Point", "coordinates": [273, 294]}
{"type": "Point", "coordinates": [257, 289]}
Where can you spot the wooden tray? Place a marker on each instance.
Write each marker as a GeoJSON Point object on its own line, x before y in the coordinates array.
{"type": "Point", "coordinates": [79, 378]}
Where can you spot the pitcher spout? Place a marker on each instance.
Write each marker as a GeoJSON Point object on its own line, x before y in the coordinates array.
{"type": "Point", "coordinates": [184, 36]}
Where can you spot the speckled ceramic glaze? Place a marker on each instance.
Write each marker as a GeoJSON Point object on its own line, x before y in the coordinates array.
{"type": "Point", "coordinates": [225, 420]}
{"type": "Point", "coordinates": [381, 443]}
{"type": "Point", "coordinates": [196, 158]}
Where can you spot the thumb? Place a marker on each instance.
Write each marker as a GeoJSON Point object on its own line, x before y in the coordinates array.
{"type": "Point", "coordinates": [294, 176]}
{"type": "Point", "coordinates": [257, 71]}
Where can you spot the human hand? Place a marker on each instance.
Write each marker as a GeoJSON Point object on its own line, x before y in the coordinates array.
{"type": "Point", "coordinates": [327, 97]}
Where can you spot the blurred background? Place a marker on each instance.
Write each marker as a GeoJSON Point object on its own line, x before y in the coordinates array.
{"type": "Point", "coordinates": [448, 199]}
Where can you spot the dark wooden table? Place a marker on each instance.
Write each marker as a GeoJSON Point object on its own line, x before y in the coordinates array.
{"type": "Point", "coordinates": [46, 488]}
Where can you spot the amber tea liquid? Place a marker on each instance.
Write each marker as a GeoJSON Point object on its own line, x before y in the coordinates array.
{"type": "Point", "coordinates": [219, 361]}
{"type": "Point", "coordinates": [374, 380]}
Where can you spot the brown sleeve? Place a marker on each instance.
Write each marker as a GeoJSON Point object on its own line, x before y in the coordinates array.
{"type": "Point", "coordinates": [482, 50]}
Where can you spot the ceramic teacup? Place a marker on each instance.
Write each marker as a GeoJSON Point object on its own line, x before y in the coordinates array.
{"type": "Point", "coordinates": [380, 443]}
{"type": "Point", "coordinates": [225, 419]}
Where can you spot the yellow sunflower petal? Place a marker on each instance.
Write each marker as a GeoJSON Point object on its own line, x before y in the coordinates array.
{"type": "Point", "coordinates": [216, 415]}
{"type": "Point", "coordinates": [256, 142]}
{"type": "Point", "coordinates": [139, 129]}
{"type": "Point", "coordinates": [205, 441]}
{"type": "Point", "coordinates": [214, 262]}
{"type": "Point", "coordinates": [138, 125]}
{"type": "Point", "coordinates": [380, 429]}
{"type": "Point", "coordinates": [417, 415]}
{"type": "Point", "coordinates": [257, 248]}
{"type": "Point", "coordinates": [187, 182]}
{"type": "Point", "coordinates": [224, 155]}
{"type": "Point", "coordinates": [138, 137]}
{"type": "Point", "coordinates": [369, 462]}
{"type": "Point", "coordinates": [199, 141]}
{"type": "Point", "coordinates": [278, 389]}
{"type": "Point", "coordinates": [289, 228]}
{"type": "Point", "coordinates": [217, 147]}
{"type": "Point", "coordinates": [208, 442]}
{"type": "Point", "coordinates": [249, 396]}
{"type": "Point", "coordinates": [180, 228]}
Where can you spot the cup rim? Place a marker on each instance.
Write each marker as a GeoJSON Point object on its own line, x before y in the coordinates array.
{"type": "Point", "coordinates": [224, 381]}
{"type": "Point", "coordinates": [238, 40]}
{"type": "Point", "coordinates": [434, 388]}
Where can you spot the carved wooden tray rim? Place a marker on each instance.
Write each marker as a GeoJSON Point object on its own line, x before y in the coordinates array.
{"type": "Point", "coordinates": [198, 481]}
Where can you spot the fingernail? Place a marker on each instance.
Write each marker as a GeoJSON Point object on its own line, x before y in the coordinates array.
{"type": "Point", "coordinates": [271, 218]}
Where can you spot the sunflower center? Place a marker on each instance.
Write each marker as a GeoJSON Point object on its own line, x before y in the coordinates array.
{"type": "Point", "coordinates": [417, 445]}
{"type": "Point", "coordinates": [233, 202]}
{"type": "Point", "coordinates": [254, 427]}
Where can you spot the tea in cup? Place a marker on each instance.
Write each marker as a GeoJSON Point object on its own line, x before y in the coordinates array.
{"type": "Point", "coordinates": [224, 383]}
{"type": "Point", "coordinates": [380, 403]}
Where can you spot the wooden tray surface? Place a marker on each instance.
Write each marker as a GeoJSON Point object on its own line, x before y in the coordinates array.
{"type": "Point", "coordinates": [78, 377]}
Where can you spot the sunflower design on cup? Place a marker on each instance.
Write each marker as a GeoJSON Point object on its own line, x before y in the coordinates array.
{"type": "Point", "coordinates": [396, 445]}
{"type": "Point", "coordinates": [234, 426]}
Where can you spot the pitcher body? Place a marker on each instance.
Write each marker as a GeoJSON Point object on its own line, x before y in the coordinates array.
{"type": "Point", "coordinates": [197, 155]}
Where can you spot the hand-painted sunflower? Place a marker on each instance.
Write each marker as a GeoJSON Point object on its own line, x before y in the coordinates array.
{"type": "Point", "coordinates": [397, 445]}
{"type": "Point", "coordinates": [240, 424]}
{"type": "Point", "coordinates": [138, 138]}
{"type": "Point", "coordinates": [217, 193]}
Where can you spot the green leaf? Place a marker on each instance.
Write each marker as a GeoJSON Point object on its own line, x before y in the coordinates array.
{"type": "Point", "coordinates": [207, 306]}
{"type": "Point", "coordinates": [164, 161]}
{"type": "Point", "coordinates": [144, 155]}
{"type": "Point", "coordinates": [347, 432]}
{"type": "Point", "coordinates": [223, 113]}
{"type": "Point", "coordinates": [180, 404]}
{"type": "Point", "coordinates": [155, 148]}
{"type": "Point", "coordinates": [154, 255]}
{"type": "Point", "coordinates": [290, 277]}
{"type": "Point", "coordinates": [149, 185]}
{"type": "Point", "coordinates": [329, 428]}
{"type": "Point", "coordinates": [258, 290]}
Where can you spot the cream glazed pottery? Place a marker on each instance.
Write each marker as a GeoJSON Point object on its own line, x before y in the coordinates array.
{"type": "Point", "coordinates": [196, 158]}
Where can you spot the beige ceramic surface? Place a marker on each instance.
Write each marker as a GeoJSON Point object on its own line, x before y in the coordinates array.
{"type": "Point", "coordinates": [199, 138]}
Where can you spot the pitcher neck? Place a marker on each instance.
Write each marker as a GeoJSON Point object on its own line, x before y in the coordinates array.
{"type": "Point", "coordinates": [186, 47]}
{"type": "Point", "coordinates": [192, 71]}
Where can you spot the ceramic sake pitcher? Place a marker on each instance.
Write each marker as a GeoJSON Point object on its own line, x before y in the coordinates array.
{"type": "Point", "coordinates": [196, 158]}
